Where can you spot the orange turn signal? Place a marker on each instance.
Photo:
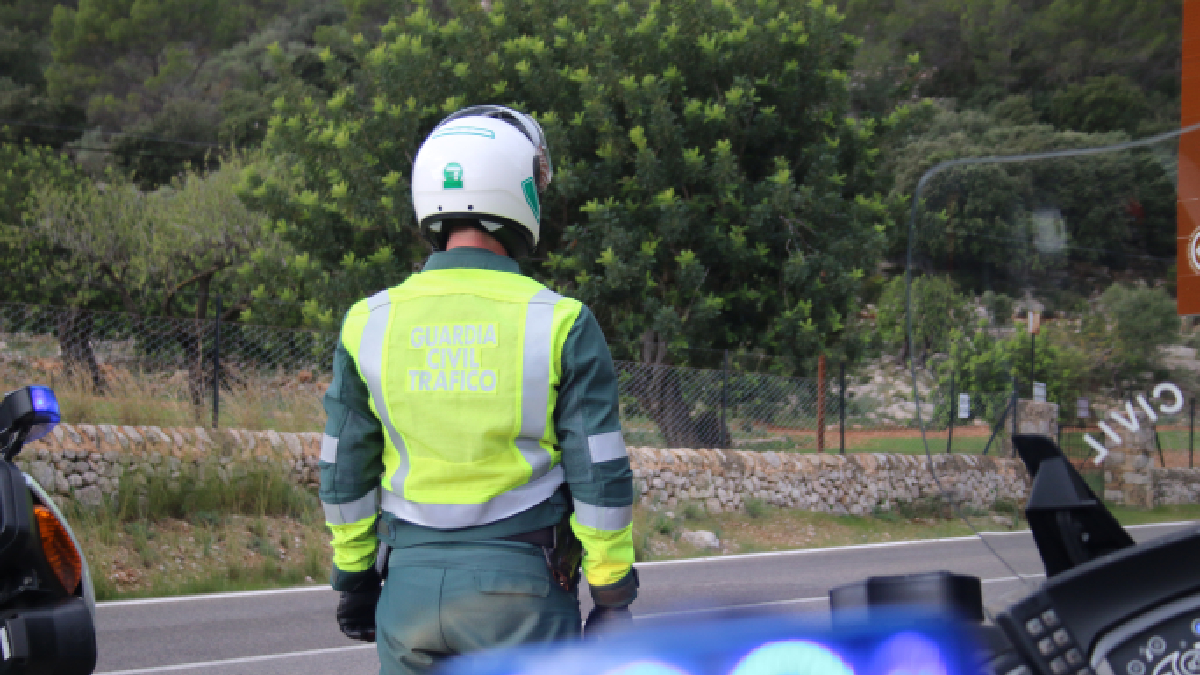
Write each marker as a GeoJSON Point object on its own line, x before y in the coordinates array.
{"type": "Point", "coordinates": [60, 551]}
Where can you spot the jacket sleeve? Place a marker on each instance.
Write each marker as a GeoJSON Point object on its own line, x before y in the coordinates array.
{"type": "Point", "coordinates": [588, 426]}
{"type": "Point", "coordinates": [351, 463]}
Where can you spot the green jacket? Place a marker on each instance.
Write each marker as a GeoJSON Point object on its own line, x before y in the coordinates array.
{"type": "Point", "coordinates": [586, 421]}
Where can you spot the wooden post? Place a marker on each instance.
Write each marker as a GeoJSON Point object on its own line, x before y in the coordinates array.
{"type": "Point", "coordinates": [216, 389]}
{"type": "Point", "coordinates": [821, 403]}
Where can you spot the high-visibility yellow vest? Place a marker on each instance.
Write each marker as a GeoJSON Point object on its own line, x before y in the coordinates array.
{"type": "Point", "coordinates": [463, 368]}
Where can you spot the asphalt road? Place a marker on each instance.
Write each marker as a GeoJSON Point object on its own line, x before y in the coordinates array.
{"type": "Point", "coordinates": [292, 631]}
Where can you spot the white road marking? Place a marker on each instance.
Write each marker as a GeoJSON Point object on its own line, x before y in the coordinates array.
{"type": "Point", "coordinates": [656, 563]}
{"type": "Point", "coordinates": [710, 610]}
{"type": "Point", "coordinates": [230, 662]}
{"type": "Point", "coordinates": [211, 596]}
{"type": "Point", "coordinates": [881, 544]}
{"type": "Point", "coordinates": [798, 601]}
{"type": "Point", "coordinates": [1023, 577]}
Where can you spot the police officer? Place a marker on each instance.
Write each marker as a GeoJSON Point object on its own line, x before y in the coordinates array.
{"type": "Point", "coordinates": [472, 410]}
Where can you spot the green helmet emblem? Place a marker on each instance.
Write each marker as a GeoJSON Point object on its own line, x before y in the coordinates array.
{"type": "Point", "coordinates": [453, 176]}
{"type": "Point", "coordinates": [531, 198]}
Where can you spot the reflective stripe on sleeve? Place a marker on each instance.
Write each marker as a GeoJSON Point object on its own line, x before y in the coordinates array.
{"type": "Point", "coordinates": [370, 362]}
{"type": "Point", "coordinates": [535, 387]}
{"type": "Point", "coordinates": [329, 448]}
{"type": "Point", "coordinates": [603, 517]}
{"type": "Point", "coordinates": [352, 512]}
{"type": "Point", "coordinates": [453, 516]}
{"type": "Point", "coordinates": [606, 447]}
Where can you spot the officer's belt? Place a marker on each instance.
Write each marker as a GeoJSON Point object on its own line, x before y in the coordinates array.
{"type": "Point", "coordinates": [543, 537]}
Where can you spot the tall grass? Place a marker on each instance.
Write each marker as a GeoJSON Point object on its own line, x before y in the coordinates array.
{"type": "Point", "coordinates": [132, 397]}
{"type": "Point", "coordinates": [203, 532]}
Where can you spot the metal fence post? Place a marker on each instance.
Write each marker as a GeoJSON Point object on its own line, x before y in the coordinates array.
{"type": "Point", "coordinates": [726, 436]}
{"type": "Point", "coordinates": [950, 413]}
{"type": "Point", "coordinates": [821, 403]}
{"type": "Point", "coordinates": [216, 391]}
{"type": "Point", "coordinates": [842, 406]}
{"type": "Point", "coordinates": [1015, 399]}
{"type": "Point", "coordinates": [1191, 431]}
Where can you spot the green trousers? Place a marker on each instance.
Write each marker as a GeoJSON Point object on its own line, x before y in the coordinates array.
{"type": "Point", "coordinates": [441, 600]}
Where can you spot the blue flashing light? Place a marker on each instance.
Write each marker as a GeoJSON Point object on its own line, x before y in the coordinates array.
{"type": "Point", "coordinates": [792, 657]}
{"type": "Point", "coordinates": [646, 668]}
{"type": "Point", "coordinates": [910, 654]}
{"type": "Point", "coordinates": [45, 402]}
{"type": "Point", "coordinates": [899, 644]}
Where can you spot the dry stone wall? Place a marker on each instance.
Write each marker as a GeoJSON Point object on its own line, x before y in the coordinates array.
{"type": "Point", "coordinates": [1135, 479]}
{"type": "Point", "coordinates": [87, 463]}
{"type": "Point", "coordinates": [724, 480]}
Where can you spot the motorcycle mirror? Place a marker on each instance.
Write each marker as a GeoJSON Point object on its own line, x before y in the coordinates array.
{"type": "Point", "coordinates": [29, 413]}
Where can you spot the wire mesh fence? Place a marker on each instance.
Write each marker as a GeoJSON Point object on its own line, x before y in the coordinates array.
{"type": "Point", "coordinates": [120, 368]}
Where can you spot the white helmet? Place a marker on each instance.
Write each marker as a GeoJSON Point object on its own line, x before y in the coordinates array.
{"type": "Point", "coordinates": [483, 165]}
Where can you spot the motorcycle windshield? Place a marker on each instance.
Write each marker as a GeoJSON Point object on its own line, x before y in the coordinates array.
{"type": "Point", "coordinates": [1050, 280]}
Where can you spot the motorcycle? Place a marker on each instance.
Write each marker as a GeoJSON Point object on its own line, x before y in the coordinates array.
{"type": "Point", "coordinates": [47, 601]}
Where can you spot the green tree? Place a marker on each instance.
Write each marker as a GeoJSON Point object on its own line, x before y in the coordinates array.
{"type": "Point", "coordinates": [1144, 319]}
{"type": "Point", "coordinates": [160, 253]}
{"type": "Point", "coordinates": [981, 51]}
{"type": "Point", "coordinates": [982, 364]}
{"type": "Point", "coordinates": [998, 226]}
{"type": "Point", "coordinates": [938, 310]}
{"type": "Point", "coordinates": [193, 73]}
{"type": "Point", "coordinates": [34, 270]}
{"type": "Point", "coordinates": [1111, 103]}
{"type": "Point", "coordinates": [710, 189]}
{"type": "Point", "coordinates": [24, 55]}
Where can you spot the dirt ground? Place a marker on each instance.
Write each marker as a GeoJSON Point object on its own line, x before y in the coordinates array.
{"type": "Point", "coordinates": [1177, 459]}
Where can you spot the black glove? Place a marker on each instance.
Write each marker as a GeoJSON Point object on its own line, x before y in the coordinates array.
{"type": "Point", "coordinates": [602, 619]}
{"type": "Point", "coordinates": [356, 608]}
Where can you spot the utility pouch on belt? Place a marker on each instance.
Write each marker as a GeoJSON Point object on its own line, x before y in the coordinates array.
{"type": "Point", "coordinates": [565, 558]}
{"type": "Point", "coordinates": [381, 560]}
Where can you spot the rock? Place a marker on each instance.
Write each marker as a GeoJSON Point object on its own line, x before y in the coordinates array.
{"type": "Point", "coordinates": [89, 496]}
{"type": "Point", "coordinates": [701, 539]}
{"type": "Point", "coordinates": [75, 480]}
{"type": "Point", "coordinates": [1003, 520]}
{"type": "Point", "coordinates": [43, 473]}
{"type": "Point", "coordinates": [293, 445]}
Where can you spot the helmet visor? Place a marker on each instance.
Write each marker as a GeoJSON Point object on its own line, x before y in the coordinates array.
{"type": "Point", "coordinates": [523, 123]}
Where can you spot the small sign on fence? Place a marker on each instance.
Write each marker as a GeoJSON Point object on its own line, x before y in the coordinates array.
{"type": "Point", "coordinates": [1039, 392]}
{"type": "Point", "coordinates": [1082, 409]}
{"type": "Point", "coordinates": [964, 406]}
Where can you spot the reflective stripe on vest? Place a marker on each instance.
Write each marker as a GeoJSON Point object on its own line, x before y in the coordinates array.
{"type": "Point", "coordinates": [370, 363]}
{"type": "Point", "coordinates": [452, 516]}
{"type": "Point", "coordinates": [535, 385]}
